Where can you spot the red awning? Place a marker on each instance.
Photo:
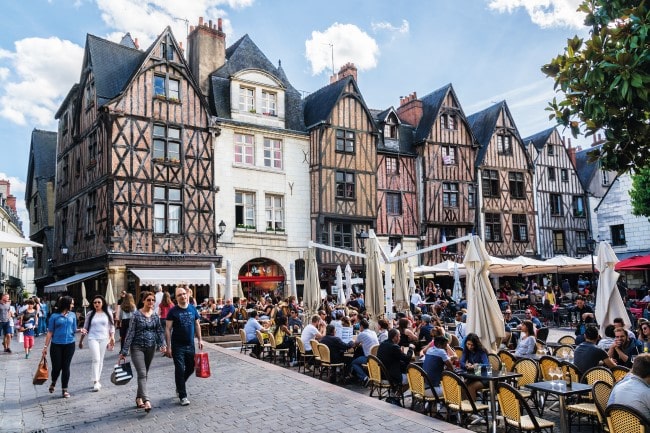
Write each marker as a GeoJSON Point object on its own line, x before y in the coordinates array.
{"type": "Point", "coordinates": [260, 279]}
{"type": "Point", "coordinates": [634, 263]}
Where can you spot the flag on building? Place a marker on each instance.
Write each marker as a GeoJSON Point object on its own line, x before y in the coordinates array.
{"type": "Point", "coordinates": [443, 239]}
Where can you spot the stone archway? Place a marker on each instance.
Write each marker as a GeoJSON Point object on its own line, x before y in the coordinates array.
{"type": "Point", "coordinates": [262, 276]}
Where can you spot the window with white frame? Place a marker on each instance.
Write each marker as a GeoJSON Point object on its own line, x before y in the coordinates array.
{"type": "Point", "coordinates": [504, 144]}
{"type": "Point", "coordinates": [448, 121]}
{"type": "Point", "coordinates": [244, 149]}
{"type": "Point", "coordinates": [449, 194]}
{"type": "Point", "coordinates": [448, 155]}
{"type": "Point", "coordinates": [273, 153]}
{"type": "Point", "coordinates": [245, 209]}
{"type": "Point", "coordinates": [579, 210]}
{"type": "Point", "coordinates": [581, 241]}
{"type": "Point", "coordinates": [393, 203]}
{"type": "Point", "coordinates": [166, 87]}
{"type": "Point", "coordinates": [391, 127]}
{"type": "Point", "coordinates": [269, 103]}
{"type": "Point", "coordinates": [274, 212]}
{"type": "Point", "coordinates": [344, 141]}
{"type": "Point", "coordinates": [166, 142]}
{"type": "Point", "coordinates": [519, 228]}
{"type": "Point", "coordinates": [167, 49]}
{"type": "Point", "coordinates": [247, 99]}
{"type": "Point", "coordinates": [559, 242]}
{"type": "Point", "coordinates": [471, 196]}
{"type": "Point", "coordinates": [167, 210]}
{"type": "Point", "coordinates": [345, 186]}
{"type": "Point", "coordinates": [392, 165]}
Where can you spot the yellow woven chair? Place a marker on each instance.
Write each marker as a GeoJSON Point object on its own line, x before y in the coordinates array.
{"type": "Point", "coordinates": [564, 351]}
{"type": "Point", "coordinates": [545, 364]}
{"type": "Point", "coordinates": [619, 372]}
{"type": "Point", "coordinates": [600, 394]}
{"type": "Point", "coordinates": [374, 349]}
{"type": "Point", "coordinates": [314, 349]}
{"type": "Point", "coordinates": [529, 370]}
{"type": "Point", "coordinates": [266, 347]}
{"type": "Point", "coordinates": [624, 419]}
{"type": "Point", "coordinates": [326, 362]}
{"type": "Point", "coordinates": [459, 352]}
{"type": "Point", "coordinates": [421, 389]}
{"type": "Point", "coordinates": [303, 355]}
{"type": "Point", "coordinates": [568, 340]}
{"type": "Point", "coordinates": [456, 398]}
{"type": "Point", "coordinates": [597, 373]}
{"type": "Point", "coordinates": [516, 412]}
{"type": "Point", "coordinates": [494, 361]}
{"type": "Point", "coordinates": [245, 346]}
{"type": "Point", "coordinates": [507, 358]}
{"type": "Point", "coordinates": [274, 351]}
{"type": "Point", "coordinates": [378, 379]}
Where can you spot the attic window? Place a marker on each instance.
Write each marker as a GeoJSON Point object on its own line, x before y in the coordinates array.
{"type": "Point", "coordinates": [551, 150]}
{"type": "Point", "coordinates": [90, 94]}
{"type": "Point", "coordinates": [269, 103]}
{"type": "Point", "coordinates": [504, 144]}
{"type": "Point", "coordinates": [167, 49]}
{"type": "Point", "coordinates": [448, 121]}
{"type": "Point", "coordinates": [390, 129]}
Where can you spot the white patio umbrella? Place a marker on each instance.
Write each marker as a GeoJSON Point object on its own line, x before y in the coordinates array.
{"type": "Point", "coordinates": [483, 313]}
{"type": "Point", "coordinates": [374, 295]}
{"type": "Point", "coordinates": [84, 301]}
{"type": "Point", "coordinates": [569, 265]}
{"type": "Point", "coordinates": [531, 266]}
{"type": "Point", "coordinates": [239, 291]}
{"type": "Point", "coordinates": [228, 291]}
{"type": "Point", "coordinates": [457, 292]}
{"type": "Point", "coordinates": [411, 280]}
{"type": "Point", "coordinates": [213, 282]}
{"type": "Point", "coordinates": [401, 287]}
{"type": "Point", "coordinates": [9, 240]}
{"type": "Point", "coordinates": [293, 287]}
{"type": "Point", "coordinates": [348, 282]}
{"type": "Point", "coordinates": [499, 266]}
{"type": "Point", "coordinates": [311, 295]}
{"type": "Point", "coordinates": [609, 304]}
{"type": "Point", "coordinates": [339, 285]}
{"type": "Point", "coordinates": [110, 295]}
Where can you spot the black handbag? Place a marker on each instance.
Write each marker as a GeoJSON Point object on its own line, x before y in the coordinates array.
{"type": "Point", "coordinates": [122, 373]}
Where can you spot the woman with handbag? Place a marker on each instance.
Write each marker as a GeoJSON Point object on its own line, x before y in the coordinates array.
{"type": "Point", "coordinates": [101, 335]}
{"type": "Point", "coordinates": [125, 311]}
{"type": "Point", "coordinates": [61, 330]}
{"type": "Point", "coordinates": [142, 338]}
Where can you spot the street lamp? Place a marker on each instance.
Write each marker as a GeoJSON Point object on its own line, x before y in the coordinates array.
{"type": "Point", "coordinates": [591, 248]}
{"type": "Point", "coordinates": [362, 237]}
{"type": "Point", "coordinates": [222, 230]}
{"type": "Point", "coordinates": [64, 249]}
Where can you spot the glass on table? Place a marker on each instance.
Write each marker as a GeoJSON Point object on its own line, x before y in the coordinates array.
{"type": "Point", "coordinates": [477, 369]}
{"type": "Point", "coordinates": [488, 369]}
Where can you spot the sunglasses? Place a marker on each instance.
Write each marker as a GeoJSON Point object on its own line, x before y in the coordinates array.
{"type": "Point", "coordinates": [97, 302]}
{"type": "Point", "coordinates": [150, 300]}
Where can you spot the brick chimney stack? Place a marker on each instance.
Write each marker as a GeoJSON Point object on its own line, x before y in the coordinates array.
{"type": "Point", "coordinates": [572, 152]}
{"type": "Point", "coordinates": [346, 70]}
{"type": "Point", "coordinates": [410, 109]}
{"type": "Point", "coordinates": [207, 51]}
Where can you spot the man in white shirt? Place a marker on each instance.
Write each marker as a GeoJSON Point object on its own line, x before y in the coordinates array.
{"type": "Point", "coordinates": [416, 300]}
{"type": "Point", "coordinates": [158, 296]}
{"type": "Point", "coordinates": [366, 339]}
{"type": "Point", "coordinates": [313, 331]}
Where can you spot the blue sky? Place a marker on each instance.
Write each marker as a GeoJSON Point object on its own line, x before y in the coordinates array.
{"type": "Point", "coordinates": [489, 49]}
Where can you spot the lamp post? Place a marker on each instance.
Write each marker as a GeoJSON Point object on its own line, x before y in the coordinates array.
{"type": "Point", "coordinates": [362, 237]}
{"type": "Point", "coordinates": [591, 247]}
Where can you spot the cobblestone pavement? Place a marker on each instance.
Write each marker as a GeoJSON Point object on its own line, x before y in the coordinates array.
{"type": "Point", "coordinates": [243, 394]}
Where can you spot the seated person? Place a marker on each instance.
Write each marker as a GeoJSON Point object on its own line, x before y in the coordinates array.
{"type": "Point", "coordinates": [585, 315]}
{"type": "Point", "coordinates": [424, 334]}
{"type": "Point", "coordinates": [347, 331]}
{"type": "Point", "coordinates": [313, 331]}
{"type": "Point", "coordinates": [364, 343]}
{"type": "Point", "coordinates": [623, 348]}
{"type": "Point", "coordinates": [407, 336]}
{"type": "Point", "coordinates": [473, 353]}
{"type": "Point", "coordinates": [337, 349]}
{"type": "Point", "coordinates": [528, 343]}
{"type": "Point", "coordinates": [282, 339]}
{"type": "Point", "coordinates": [633, 391]}
{"type": "Point", "coordinates": [382, 332]}
{"type": "Point", "coordinates": [435, 361]}
{"type": "Point", "coordinates": [294, 322]}
{"type": "Point", "coordinates": [395, 361]}
{"type": "Point", "coordinates": [225, 317]}
{"type": "Point", "coordinates": [529, 316]}
{"type": "Point", "coordinates": [511, 322]}
{"type": "Point", "coordinates": [252, 325]}
{"type": "Point", "coordinates": [587, 354]}
{"type": "Point", "coordinates": [606, 342]}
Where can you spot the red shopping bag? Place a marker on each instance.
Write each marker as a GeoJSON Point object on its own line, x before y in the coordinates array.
{"type": "Point", "coordinates": [202, 365]}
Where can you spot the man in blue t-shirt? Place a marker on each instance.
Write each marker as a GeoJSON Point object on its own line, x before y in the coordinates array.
{"type": "Point", "coordinates": [183, 321]}
{"type": "Point", "coordinates": [225, 317]}
{"type": "Point", "coordinates": [435, 361]}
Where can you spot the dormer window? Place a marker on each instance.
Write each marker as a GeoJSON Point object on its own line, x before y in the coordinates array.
{"type": "Point", "coordinates": [448, 121]}
{"type": "Point", "coordinates": [167, 49]}
{"type": "Point", "coordinates": [269, 103]}
{"type": "Point", "coordinates": [390, 128]}
{"type": "Point", "coordinates": [504, 144]}
{"type": "Point", "coordinates": [90, 95]}
{"type": "Point", "coordinates": [247, 99]}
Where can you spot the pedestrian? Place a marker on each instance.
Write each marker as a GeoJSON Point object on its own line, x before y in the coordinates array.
{"type": "Point", "coordinates": [61, 329]}
{"type": "Point", "coordinates": [142, 338]}
{"type": "Point", "coordinates": [101, 336]}
{"type": "Point", "coordinates": [6, 322]}
{"type": "Point", "coordinates": [28, 325]}
{"type": "Point", "coordinates": [125, 312]}
{"type": "Point", "coordinates": [183, 324]}
{"type": "Point", "coordinates": [165, 305]}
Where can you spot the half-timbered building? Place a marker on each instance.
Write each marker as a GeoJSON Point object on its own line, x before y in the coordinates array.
{"type": "Point", "coordinates": [342, 167]}
{"type": "Point", "coordinates": [261, 155]}
{"type": "Point", "coordinates": [446, 154]}
{"type": "Point", "coordinates": [562, 217]}
{"type": "Point", "coordinates": [505, 179]}
{"type": "Point", "coordinates": [134, 176]}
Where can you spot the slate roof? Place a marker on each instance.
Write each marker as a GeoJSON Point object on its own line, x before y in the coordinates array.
{"type": "Point", "coordinates": [42, 164]}
{"type": "Point", "coordinates": [431, 104]}
{"type": "Point", "coordinates": [540, 139]}
{"type": "Point", "coordinates": [584, 168]}
{"type": "Point", "coordinates": [483, 125]}
{"type": "Point", "coordinates": [244, 54]}
{"type": "Point", "coordinates": [405, 132]}
{"type": "Point", "coordinates": [319, 105]}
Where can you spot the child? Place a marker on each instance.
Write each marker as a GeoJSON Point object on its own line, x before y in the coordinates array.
{"type": "Point", "coordinates": [28, 324]}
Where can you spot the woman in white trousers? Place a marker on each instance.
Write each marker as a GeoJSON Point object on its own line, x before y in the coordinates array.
{"type": "Point", "coordinates": [100, 330]}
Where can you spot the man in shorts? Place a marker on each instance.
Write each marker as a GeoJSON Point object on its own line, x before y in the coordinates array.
{"type": "Point", "coordinates": [6, 322]}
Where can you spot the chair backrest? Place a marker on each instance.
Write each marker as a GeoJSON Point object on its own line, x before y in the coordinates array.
{"type": "Point", "coordinates": [314, 347]}
{"type": "Point", "coordinates": [272, 340]}
{"type": "Point", "coordinates": [374, 349]}
{"type": "Point", "coordinates": [619, 372]}
{"type": "Point", "coordinates": [545, 364]}
{"type": "Point", "coordinates": [567, 339]}
{"type": "Point", "coordinates": [563, 351]}
{"type": "Point", "coordinates": [416, 378]}
{"type": "Point", "coordinates": [494, 361]}
{"type": "Point", "coordinates": [597, 373]}
{"type": "Point", "coordinates": [300, 345]}
{"type": "Point", "coordinates": [600, 395]}
{"type": "Point", "coordinates": [624, 419]}
{"type": "Point", "coordinates": [374, 369]}
{"type": "Point", "coordinates": [507, 358]}
{"type": "Point", "coordinates": [260, 337]}
{"type": "Point", "coordinates": [575, 373]}
{"type": "Point", "coordinates": [324, 353]}
{"type": "Point", "coordinates": [511, 404]}
{"type": "Point", "coordinates": [529, 371]}
{"type": "Point", "coordinates": [542, 334]}
{"type": "Point", "coordinates": [242, 336]}
{"type": "Point", "coordinates": [459, 352]}
{"type": "Point", "coordinates": [454, 341]}
{"type": "Point", "coordinates": [540, 346]}
{"type": "Point", "coordinates": [451, 391]}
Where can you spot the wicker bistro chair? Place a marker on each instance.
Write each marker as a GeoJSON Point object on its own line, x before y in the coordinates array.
{"type": "Point", "coordinates": [456, 398]}
{"type": "Point", "coordinates": [619, 372]}
{"type": "Point", "coordinates": [623, 419]}
{"type": "Point", "coordinates": [516, 412]}
{"type": "Point", "coordinates": [317, 360]}
{"type": "Point", "coordinates": [266, 347]}
{"type": "Point", "coordinates": [326, 361]}
{"type": "Point", "coordinates": [378, 380]}
{"type": "Point", "coordinates": [545, 364]}
{"type": "Point", "coordinates": [597, 373]}
{"type": "Point", "coordinates": [302, 355]}
{"type": "Point", "coordinates": [422, 389]}
{"type": "Point", "coordinates": [507, 358]}
{"type": "Point", "coordinates": [274, 351]}
{"type": "Point", "coordinates": [600, 394]}
{"type": "Point", "coordinates": [542, 334]}
{"type": "Point", "coordinates": [563, 351]}
{"type": "Point", "coordinates": [459, 352]}
{"type": "Point", "coordinates": [568, 340]}
{"type": "Point", "coordinates": [245, 346]}
{"type": "Point", "coordinates": [494, 361]}
{"type": "Point", "coordinates": [529, 370]}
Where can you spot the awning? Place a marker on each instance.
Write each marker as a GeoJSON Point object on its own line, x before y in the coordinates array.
{"type": "Point", "coordinates": [62, 285]}
{"type": "Point", "coordinates": [175, 276]}
{"type": "Point", "coordinates": [635, 263]}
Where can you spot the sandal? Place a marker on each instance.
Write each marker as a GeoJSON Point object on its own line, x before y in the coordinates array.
{"type": "Point", "coordinates": [65, 393]}
{"type": "Point", "coordinates": [139, 403]}
{"type": "Point", "coordinates": [51, 388]}
{"type": "Point", "coordinates": [147, 406]}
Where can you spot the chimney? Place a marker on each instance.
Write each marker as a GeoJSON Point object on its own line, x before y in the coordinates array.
{"type": "Point", "coordinates": [348, 70]}
{"type": "Point", "coordinates": [410, 109]}
{"type": "Point", "coordinates": [136, 43]}
{"type": "Point", "coordinates": [207, 51]}
{"type": "Point", "coordinates": [572, 153]}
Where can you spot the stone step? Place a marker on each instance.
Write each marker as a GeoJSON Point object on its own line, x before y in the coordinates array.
{"type": "Point", "coordinates": [225, 341]}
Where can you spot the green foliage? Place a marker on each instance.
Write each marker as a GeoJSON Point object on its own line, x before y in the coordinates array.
{"type": "Point", "coordinates": [605, 82]}
{"type": "Point", "coordinates": [640, 193]}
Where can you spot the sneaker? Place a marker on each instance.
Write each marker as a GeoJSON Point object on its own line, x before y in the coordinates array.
{"type": "Point", "coordinates": [365, 381]}
{"type": "Point", "coordinates": [96, 387]}
{"type": "Point", "coordinates": [185, 401]}
{"type": "Point", "coordinates": [27, 356]}
{"type": "Point", "coordinates": [254, 355]}
{"type": "Point", "coordinates": [293, 363]}
{"type": "Point", "coordinates": [8, 350]}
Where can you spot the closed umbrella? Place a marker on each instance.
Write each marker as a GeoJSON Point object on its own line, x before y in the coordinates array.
{"type": "Point", "coordinates": [339, 285]}
{"type": "Point", "coordinates": [457, 292]}
{"type": "Point", "coordinates": [311, 295]}
{"type": "Point", "coordinates": [293, 287]}
{"type": "Point", "coordinates": [374, 296]}
{"type": "Point", "coordinates": [239, 291]}
{"type": "Point", "coordinates": [228, 291]}
{"type": "Point", "coordinates": [484, 316]}
{"type": "Point", "coordinates": [110, 295]}
{"type": "Point", "coordinates": [411, 280]}
{"type": "Point", "coordinates": [609, 304]}
{"type": "Point", "coordinates": [213, 282]}
{"type": "Point", "coordinates": [401, 287]}
{"type": "Point", "coordinates": [84, 301]}
{"type": "Point", "coordinates": [348, 282]}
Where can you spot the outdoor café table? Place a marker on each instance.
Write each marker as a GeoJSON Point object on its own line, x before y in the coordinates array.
{"type": "Point", "coordinates": [560, 389]}
{"type": "Point", "coordinates": [493, 378]}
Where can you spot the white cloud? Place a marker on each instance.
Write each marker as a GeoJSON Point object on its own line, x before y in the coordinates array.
{"type": "Point", "coordinates": [43, 71]}
{"type": "Point", "coordinates": [545, 13]}
{"type": "Point", "coordinates": [350, 44]}
{"type": "Point", "coordinates": [386, 26]}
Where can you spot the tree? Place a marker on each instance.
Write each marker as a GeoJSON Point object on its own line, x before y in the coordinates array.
{"type": "Point", "coordinates": [640, 192]}
{"type": "Point", "coordinates": [605, 82]}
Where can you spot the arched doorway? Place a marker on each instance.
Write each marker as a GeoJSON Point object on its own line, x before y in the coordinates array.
{"type": "Point", "coordinates": [262, 276]}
